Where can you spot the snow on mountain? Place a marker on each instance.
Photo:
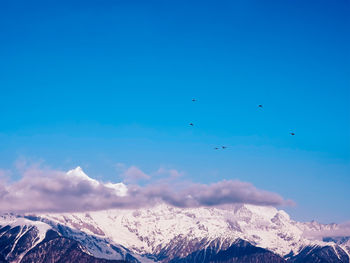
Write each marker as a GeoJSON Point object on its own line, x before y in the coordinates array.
{"type": "Point", "coordinates": [19, 235]}
{"type": "Point", "coordinates": [23, 229]}
{"type": "Point", "coordinates": [78, 173]}
{"type": "Point", "coordinates": [159, 229]}
{"type": "Point", "coordinates": [165, 233]}
{"type": "Point", "coordinates": [151, 230]}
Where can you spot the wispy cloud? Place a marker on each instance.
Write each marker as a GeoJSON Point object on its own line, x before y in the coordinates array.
{"type": "Point", "coordinates": [134, 175]}
{"type": "Point", "coordinates": [47, 190]}
{"type": "Point", "coordinates": [169, 173]}
{"type": "Point", "coordinates": [332, 230]}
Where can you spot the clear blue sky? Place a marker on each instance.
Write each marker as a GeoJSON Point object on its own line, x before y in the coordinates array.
{"type": "Point", "coordinates": [95, 83]}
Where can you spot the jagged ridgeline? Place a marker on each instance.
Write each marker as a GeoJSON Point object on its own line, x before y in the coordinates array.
{"type": "Point", "coordinates": [240, 233]}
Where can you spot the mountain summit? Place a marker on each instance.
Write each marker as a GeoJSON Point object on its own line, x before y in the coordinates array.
{"type": "Point", "coordinates": [168, 234]}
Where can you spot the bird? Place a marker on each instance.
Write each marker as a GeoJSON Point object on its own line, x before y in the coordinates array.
{"type": "Point", "coordinates": [216, 148]}
{"type": "Point", "coordinates": [223, 147]}
{"type": "Point", "coordinates": [260, 106]}
{"type": "Point", "coordinates": [191, 124]}
{"type": "Point", "coordinates": [194, 100]}
{"type": "Point", "coordinates": [292, 133]}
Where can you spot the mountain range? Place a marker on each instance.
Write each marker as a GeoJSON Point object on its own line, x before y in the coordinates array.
{"type": "Point", "coordinates": [167, 234]}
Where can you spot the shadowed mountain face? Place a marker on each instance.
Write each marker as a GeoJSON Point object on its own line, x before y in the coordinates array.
{"type": "Point", "coordinates": [19, 244]}
{"type": "Point", "coordinates": [56, 248]}
{"type": "Point", "coordinates": [316, 254]}
{"type": "Point", "coordinates": [239, 252]}
{"type": "Point", "coordinates": [59, 249]}
{"type": "Point", "coordinates": [244, 252]}
{"type": "Point", "coordinates": [15, 241]}
{"type": "Point", "coordinates": [165, 235]}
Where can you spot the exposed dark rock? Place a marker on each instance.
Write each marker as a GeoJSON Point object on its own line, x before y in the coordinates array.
{"type": "Point", "coordinates": [53, 248]}
{"type": "Point", "coordinates": [61, 250]}
{"type": "Point", "coordinates": [7, 239]}
{"type": "Point", "coordinates": [318, 254]}
{"type": "Point", "coordinates": [239, 252]}
{"type": "Point", "coordinates": [3, 260]}
{"type": "Point", "coordinates": [128, 257]}
{"type": "Point", "coordinates": [25, 242]}
{"type": "Point", "coordinates": [58, 246]}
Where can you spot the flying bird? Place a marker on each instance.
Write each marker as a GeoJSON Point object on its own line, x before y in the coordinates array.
{"type": "Point", "coordinates": [260, 106]}
{"type": "Point", "coordinates": [191, 124]}
{"type": "Point", "coordinates": [194, 100]}
{"type": "Point", "coordinates": [216, 148]}
{"type": "Point", "coordinates": [292, 133]}
{"type": "Point", "coordinates": [223, 147]}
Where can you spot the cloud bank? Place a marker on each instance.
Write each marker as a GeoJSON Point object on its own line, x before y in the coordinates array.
{"type": "Point", "coordinates": [45, 190]}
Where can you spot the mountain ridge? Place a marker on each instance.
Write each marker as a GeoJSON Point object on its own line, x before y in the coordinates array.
{"type": "Point", "coordinates": [174, 235]}
{"type": "Point", "coordinates": [169, 234]}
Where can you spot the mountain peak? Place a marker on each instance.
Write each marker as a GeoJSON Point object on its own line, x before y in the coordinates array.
{"type": "Point", "coordinates": [78, 173]}
{"type": "Point", "coordinates": [171, 233]}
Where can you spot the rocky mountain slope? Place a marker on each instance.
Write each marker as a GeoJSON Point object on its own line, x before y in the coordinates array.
{"type": "Point", "coordinates": [168, 233]}
{"type": "Point", "coordinates": [28, 240]}
{"type": "Point", "coordinates": [236, 233]}
{"type": "Point", "coordinates": [241, 233]}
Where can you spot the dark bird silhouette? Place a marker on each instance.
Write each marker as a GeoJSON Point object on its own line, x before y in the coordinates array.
{"type": "Point", "coordinates": [260, 106]}
{"type": "Point", "coordinates": [223, 147]}
{"type": "Point", "coordinates": [292, 133]}
{"type": "Point", "coordinates": [194, 100]}
{"type": "Point", "coordinates": [191, 124]}
{"type": "Point", "coordinates": [216, 148]}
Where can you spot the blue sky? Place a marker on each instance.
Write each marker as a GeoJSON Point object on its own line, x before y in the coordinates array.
{"type": "Point", "coordinates": [95, 83]}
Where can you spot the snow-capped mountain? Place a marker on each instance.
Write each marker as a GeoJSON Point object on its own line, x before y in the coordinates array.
{"type": "Point", "coordinates": [25, 239]}
{"type": "Point", "coordinates": [172, 232]}
{"type": "Point", "coordinates": [168, 234]}
{"type": "Point", "coordinates": [162, 233]}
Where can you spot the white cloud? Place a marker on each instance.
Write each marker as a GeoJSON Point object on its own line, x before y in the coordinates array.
{"type": "Point", "coordinates": [46, 190]}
